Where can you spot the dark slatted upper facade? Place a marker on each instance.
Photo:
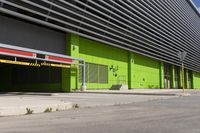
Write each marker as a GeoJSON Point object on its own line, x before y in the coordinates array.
{"type": "Point", "coordinates": [154, 28]}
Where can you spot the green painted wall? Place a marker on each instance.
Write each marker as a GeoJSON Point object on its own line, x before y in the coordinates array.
{"type": "Point", "coordinates": [161, 75]}
{"type": "Point", "coordinates": [173, 76]}
{"type": "Point", "coordinates": [131, 76]}
{"type": "Point", "coordinates": [180, 82]}
{"type": "Point", "coordinates": [196, 80]}
{"type": "Point", "coordinates": [133, 69]}
{"type": "Point", "coordinates": [70, 76]}
{"type": "Point", "coordinates": [186, 82]}
{"type": "Point", "coordinates": [186, 78]}
{"type": "Point", "coordinates": [98, 53]}
{"type": "Point", "coordinates": [145, 72]}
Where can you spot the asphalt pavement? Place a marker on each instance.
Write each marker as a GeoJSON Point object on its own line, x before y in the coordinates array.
{"type": "Point", "coordinates": [171, 115]}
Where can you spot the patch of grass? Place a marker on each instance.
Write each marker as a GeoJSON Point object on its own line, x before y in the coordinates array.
{"type": "Point", "coordinates": [29, 111]}
{"type": "Point", "coordinates": [48, 110]}
{"type": "Point", "coordinates": [75, 106]}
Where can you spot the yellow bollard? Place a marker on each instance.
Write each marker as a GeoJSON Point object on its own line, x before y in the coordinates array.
{"type": "Point", "coordinates": [183, 79]}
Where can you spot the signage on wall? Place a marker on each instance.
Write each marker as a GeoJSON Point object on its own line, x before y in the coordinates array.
{"type": "Point", "coordinates": [17, 52]}
{"type": "Point", "coordinates": [31, 55]}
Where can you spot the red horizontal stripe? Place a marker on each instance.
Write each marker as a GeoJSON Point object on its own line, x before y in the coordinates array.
{"type": "Point", "coordinates": [59, 59]}
{"type": "Point", "coordinates": [16, 52]}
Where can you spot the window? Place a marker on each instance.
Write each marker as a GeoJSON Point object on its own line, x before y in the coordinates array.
{"type": "Point", "coordinates": [95, 73]}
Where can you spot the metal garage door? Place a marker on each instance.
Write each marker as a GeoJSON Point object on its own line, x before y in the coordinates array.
{"type": "Point", "coordinates": [19, 33]}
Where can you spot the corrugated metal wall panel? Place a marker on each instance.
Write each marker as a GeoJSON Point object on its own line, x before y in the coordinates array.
{"type": "Point", "coordinates": [158, 29]}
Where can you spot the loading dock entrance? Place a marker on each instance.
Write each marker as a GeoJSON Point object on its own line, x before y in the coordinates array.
{"type": "Point", "coordinates": [29, 57]}
{"type": "Point", "coordinates": [167, 76]}
{"type": "Point", "coordinates": [176, 77]}
{"type": "Point", "coordinates": [189, 79]}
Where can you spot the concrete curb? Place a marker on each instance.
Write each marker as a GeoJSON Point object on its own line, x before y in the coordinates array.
{"type": "Point", "coordinates": [24, 93]}
{"type": "Point", "coordinates": [128, 93]}
{"type": "Point", "coordinates": [186, 94]}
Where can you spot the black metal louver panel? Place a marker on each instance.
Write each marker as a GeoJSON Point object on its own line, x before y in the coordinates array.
{"type": "Point", "coordinates": [154, 28]}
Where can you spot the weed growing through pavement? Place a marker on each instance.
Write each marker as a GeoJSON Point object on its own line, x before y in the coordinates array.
{"type": "Point", "coordinates": [75, 106]}
{"type": "Point", "coordinates": [29, 111]}
{"type": "Point", "coordinates": [48, 110]}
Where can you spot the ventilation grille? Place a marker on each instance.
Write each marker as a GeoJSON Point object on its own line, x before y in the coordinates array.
{"type": "Point", "coordinates": [95, 73]}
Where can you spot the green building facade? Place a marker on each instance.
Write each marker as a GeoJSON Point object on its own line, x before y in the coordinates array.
{"type": "Point", "coordinates": [131, 43]}
{"type": "Point", "coordinates": [123, 67]}
{"type": "Point", "coordinates": [105, 66]}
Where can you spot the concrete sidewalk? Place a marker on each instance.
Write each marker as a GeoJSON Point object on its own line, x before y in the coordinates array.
{"type": "Point", "coordinates": [95, 99]}
{"type": "Point", "coordinates": [20, 105]}
{"type": "Point", "coordinates": [159, 92]}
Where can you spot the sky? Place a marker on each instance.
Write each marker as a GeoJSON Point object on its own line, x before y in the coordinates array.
{"type": "Point", "coordinates": [197, 3]}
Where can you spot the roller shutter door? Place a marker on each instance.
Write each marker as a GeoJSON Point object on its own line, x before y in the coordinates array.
{"type": "Point", "coordinates": [19, 33]}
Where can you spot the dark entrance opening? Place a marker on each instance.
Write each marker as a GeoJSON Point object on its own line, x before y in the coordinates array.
{"type": "Point", "coordinates": [167, 76]}
{"type": "Point", "coordinates": [34, 70]}
{"type": "Point", "coordinates": [190, 79]}
{"type": "Point", "coordinates": [176, 77]}
{"type": "Point", "coordinates": [29, 78]}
